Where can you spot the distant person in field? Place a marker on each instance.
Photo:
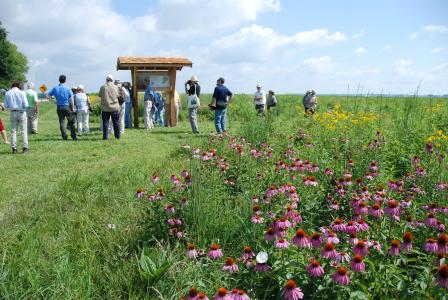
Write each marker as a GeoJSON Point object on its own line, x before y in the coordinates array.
{"type": "Point", "coordinates": [272, 100]}
{"type": "Point", "coordinates": [310, 102]}
{"type": "Point", "coordinates": [177, 106]}
{"type": "Point", "coordinates": [193, 90]}
{"type": "Point", "coordinates": [2, 128]}
{"type": "Point", "coordinates": [65, 107]}
{"type": "Point", "coordinates": [121, 101]}
{"type": "Point", "coordinates": [159, 104]}
{"type": "Point", "coordinates": [148, 100]}
{"type": "Point", "coordinates": [17, 103]}
{"type": "Point", "coordinates": [32, 112]}
{"type": "Point", "coordinates": [110, 107]}
{"type": "Point", "coordinates": [220, 100]}
{"type": "Point", "coordinates": [260, 100]}
{"type": "Point", "coordinates": [82, 104]}
{"type": "Point", "coordinates": [128, 104]}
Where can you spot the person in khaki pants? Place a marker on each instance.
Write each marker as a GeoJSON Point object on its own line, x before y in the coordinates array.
{"type": "Point", "coordinates": [32, 112]}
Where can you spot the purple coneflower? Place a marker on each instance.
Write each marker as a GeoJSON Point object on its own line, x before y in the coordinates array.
{"type": "Point", "coordinates": [155, 179]}
{"type": "Point", "coordinates": [270, 234]}
{"type": "Point", "coordinates": [362, 209]}
{"type": "Point", "coordinates": [192, 294]}
{"type": "Point", "coordinates": [291, 291]}
{"type": "Point", "coordinates": [222, 294]}
{"type": "Point", "coordinates": [169, 208]}
{"type": "Point", "coordinates": [357, 265]}
{"type": "Point", "coordinates": [373, 166]}
{"type": "Point", "coordinates": [314, 269]}
{"type": "Point", "coordinates": [430, 245]}
{"type": "Point", "coordinates": [407, 242]}
{"type": "Point", "coordinates": [230, 265]}
{"type": "Point", "coordinates": [341, 276]}
{"type": "Point", "coordinates": [351, 227]}
{"type": "Point", "coordinates": [431, 221]}
{"type": "Point", "coordinates": [316, 240]}
{"type": "Point", "coordinates": [353, 238]}
{"type": "Point", "coordinates": [301, 239]}
{"type": "Point", "coordinates": [283, 223]}
{"type": "Point", "coordinates": [215, 252]}
{"type": "Point", "coordinates": [247, 254]}
{"type": "Point", "coordinates": [394, 248]}
{"type": "Point", "coordinates": [328, 171]}
{"type": "Point", "coordinates": [257, 219]}
{"type": "Point", "coordinates": [392, 208]}
{"type": "Point", "coordinates": [442, 244]}
{"type": "Point", "coordinates": [329, 251]}
{"type": "Point", "coordinates": [342, 257]}
{"type": "Point", "coordinates": [241, 295]}
{"type": "Point", "coordinates": [332, 238]}
{"type": "Point", "coordinates": [262, 267]}
{"type": "Point", "coordinates": [362, 225]}
{"type": "Point", "coordinates": [442, 276]}
{"type": "Point", "coordinates": [191, 252]}
{"type": "Point", "coordinates": [338, 225]}
{"type": "Point", "coordinates": [361, 248]}
{"type": "Point", "coordinates": [139, 193]}
{"type": "Point", "coordinates": [281, 243]}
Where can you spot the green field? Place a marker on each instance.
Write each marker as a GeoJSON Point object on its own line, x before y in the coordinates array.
{"type": "Point", "coordinates": [57, 201]}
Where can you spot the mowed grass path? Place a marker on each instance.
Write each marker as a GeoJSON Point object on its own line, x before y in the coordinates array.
{"type": "Point", "coordinates": [57, 201]}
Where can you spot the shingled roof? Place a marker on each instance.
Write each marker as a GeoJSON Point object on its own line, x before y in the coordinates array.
{"type": "Point", "coordinates": [152, 62]}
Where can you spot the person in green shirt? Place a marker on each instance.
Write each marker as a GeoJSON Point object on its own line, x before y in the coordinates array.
{"type": "Point", "coordinates": [32, 111]}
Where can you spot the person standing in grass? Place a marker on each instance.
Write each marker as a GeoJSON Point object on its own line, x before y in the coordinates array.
{"type": "Point", "coordinates": [65, 107]}
{"type": "Point", "coordinates": [310, 102]}
{"type": "Point", "coordinates": [260, 100]}
{"type": "Point", "coordinates": [17, 103]}
{"type": "Point", "coordinates": [32, 112]}
{"type": "Point", "coordinates": [159, 107]}
{"type": "Point", "coordinates": [109, 107]}
{"type": "Point", "coordinates": [82, 104]}
{"type": "Point", "coordinates": [221, 98]}
{"type": "Point", "coordinates": [148, 100]}
{"type": "Point", "coordinates": [2, 128]}
{"type": "Point", "coordinates": [193, 90]}
{"type": "Point", "coordinates": [128, 104]}
{"type": "Point", "coordinates": [121, 101]}
{"type": "Point", "coordinates": [272, 100]}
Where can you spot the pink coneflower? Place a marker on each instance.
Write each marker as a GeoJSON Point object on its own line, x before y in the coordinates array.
{"type": "Point", "coordinates": [334, 205]}
{"type": "Point", "coordinates": [342, 257]}
{"type": "Point", "coordinates": [442, 276]}
{"type": "Point", "coordinates": [332, 238]}
{"type": "Point", "coordinates": [155, 179]}
{"type": "Point", "coordinates": [351, 227]}
{"type": "Point", "coordinates": [407, 242]}
{"type": "Point", "coordinates": [357, 264]}
{"type": "Point", "coordinates": [373, 166]}
{"type": "Point", "coordinates": [291, 291]}
{"type": "Point", "coordinates": [341, 276]}
{"type": "Point", "coordinates": [338, 225]}
{"type": "Point", "coordinates": [440, 226]}
{"type": "Point", "coordinates": [283, 223]}
{"type": "Point", "coordinates": [301, 239]}
{"type": "Point", "coordinates": [230, 265]}
{"type": "Point", "coordinates": [169, 208]}
{"type": "Point", "coordinates": [392, 208]}
{"type": "Point", "coordinates": [314, 269]}
{"type": "Point", "coordinates": [240, 295]}
{"type": "Point", "coordinates": [362, 225]}
{"type": "Point", "coordinates": [362, 209]}
{"type": "Point", "coordinates": [257, 219]}
{"type": "Point", "coordinates": [281, 243]}
{"type": "Point", "coordinates": [361, 248]}
{"type": "Point", "coordinates": [215, 252]}
{"type": "Point", "coordinates": [328, 171]}
{"type": "Point", "coordinates": [316, 240]}
{"type": "Point", "coordinates": [394, 248]}
{"type": "Point", "coordinates": [270, 234]}
{"type": "Point", "coordinates": [262, 267]}
{"type": "Point", "coordinates": [140, 193]}
{"type": "Point", "coordinates": [329, 251]}
{"type": "Point", "coordinates": [442, 243]}
{"type": "Point", "coordinates": [247, 254]}
{"type": "Point", "coordinates": [191, 251]}
{"type": "Point", "coordinates": [192, 294]}
{"type": "Point", "coordinates": [353, 238]}
{"type": "Point", "coordinates": [430, 245]}
{"type": "Point", "coordinates": [222, 294]}
{"type": "Point", "coordinates": [431, 221]}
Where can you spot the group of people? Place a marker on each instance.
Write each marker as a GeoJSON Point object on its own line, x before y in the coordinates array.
{"type": "Point", "coordinates": [116, 105]}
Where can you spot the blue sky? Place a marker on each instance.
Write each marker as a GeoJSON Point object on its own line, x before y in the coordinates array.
{"type": "Point", "coordinates": [287, 45]}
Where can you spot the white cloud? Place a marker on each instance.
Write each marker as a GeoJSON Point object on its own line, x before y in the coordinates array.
{"type": "Point", "coordinates": [359, 51]}
{"type": "Point", "coordinates": [402, 67]}
{"type": "Point", "coordinates": [319, 65]}
{"type": "Point", "coordinates": [435, 28]}
{"type": "Point", "coordinates": [414, 35]}
{"type": "Point", "coordinates": [359, 34]}
{"type": "Point", "coordinates": [439, 50]}
{"type": "Point", "coordinates": [386, 47]}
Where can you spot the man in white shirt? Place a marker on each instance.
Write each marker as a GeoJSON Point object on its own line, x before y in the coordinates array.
{"type": "Point", "coordinates": [17, 103]}
{"type": "Point", "coordinates": [260, 100]}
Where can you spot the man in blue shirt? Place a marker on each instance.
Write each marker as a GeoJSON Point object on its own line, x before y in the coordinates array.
{"type": "Point", "coordinates": [65, 107]}
{"type": "Point", "coordinates": [221, 97]}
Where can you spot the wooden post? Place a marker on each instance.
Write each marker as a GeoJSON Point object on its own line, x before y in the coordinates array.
{"type": "Point", "coordinates": [172, 74]}
{"type": "Point", "coordinates": [134, 96]}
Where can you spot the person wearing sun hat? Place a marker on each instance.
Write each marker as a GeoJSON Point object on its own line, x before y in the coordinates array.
{"type": "Point", "coordinates": [193, 90]}
{"type": "Point", "coordinates": [260, 100]}
{"type": "Point", "coordinates": [82, 109]}
{"type": "Point", "coordinates": [272, 100]}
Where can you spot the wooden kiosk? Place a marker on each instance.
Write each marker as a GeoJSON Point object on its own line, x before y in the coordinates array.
{"type": "Point", "coordinates": [161, 71]}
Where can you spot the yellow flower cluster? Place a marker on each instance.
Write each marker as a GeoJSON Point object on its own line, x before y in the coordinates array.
{"type": "Point", "coordinates": [439, 136]}
{"type": "Point", "coordinates": [435, 108]}
{"type": "Point", "coordinates": [338, 118]}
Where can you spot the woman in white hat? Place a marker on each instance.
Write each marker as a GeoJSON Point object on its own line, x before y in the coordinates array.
{"type": "Point", "coordinates": [193, 91]}
{"type": "Point", "coordinates": [82, 108]}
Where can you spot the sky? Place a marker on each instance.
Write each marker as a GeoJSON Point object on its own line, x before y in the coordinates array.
{"type": "Point", "coordinates": [290, 46]}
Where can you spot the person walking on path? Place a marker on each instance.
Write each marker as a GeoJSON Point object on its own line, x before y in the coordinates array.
{"type": "Point", "coordinates": [32, 112]}
{"type": "Point", "coordinates": [221, 98]}
{"type": "Point", "coordinates": [2, 128]}
{"type": "Point", "coordinates": [82, 104]}
{"type": "Point", "coordinates": [65, 107]}
{"type": "Point", "coordinates": [193, 90]}
{"type": "Point", "coordinates": [109, 107]}
{"type": "Point", "coordinates": [260, 100]}
{"type": "Point", "coordinates": [310, 102]}
{"type": "Point", "coordinates": [272, 100]}
{"type": "Point", "coordinates": [148, 100]}
{"type": "Point", "coordinates": [16, 102]}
